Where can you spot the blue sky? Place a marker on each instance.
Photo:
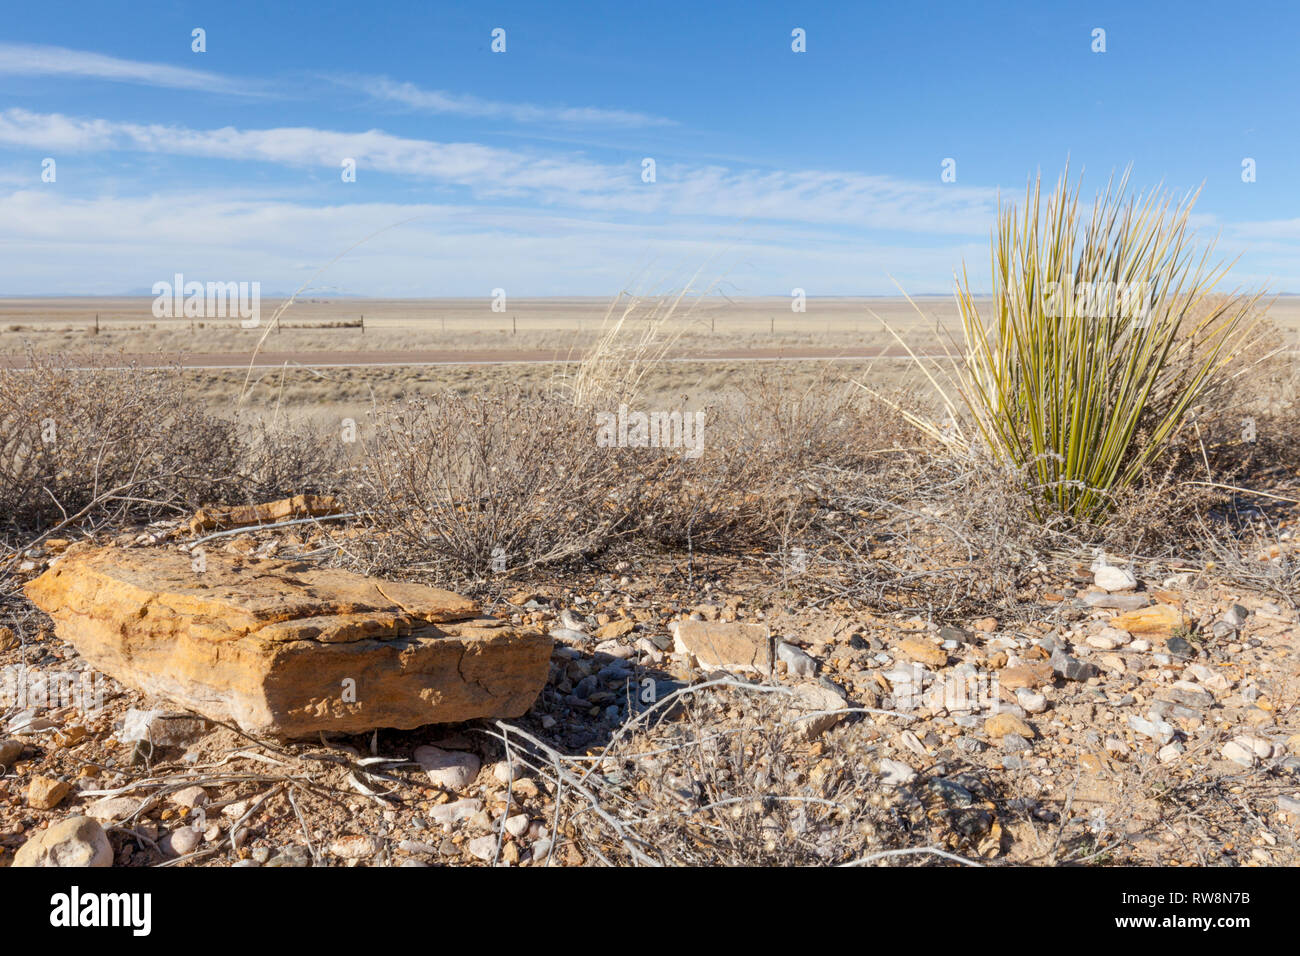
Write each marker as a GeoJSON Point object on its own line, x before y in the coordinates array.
{"type": "Point", "coordinates": [522, 170]}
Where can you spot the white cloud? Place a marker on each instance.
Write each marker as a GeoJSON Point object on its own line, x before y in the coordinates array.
{"type": "Point", "coordinates": [849, 200]}
{"type": "Point", "coordinates": [460, 104]}
{"type": "Point", "coordinates": [109, 245]}
{"type": "Point", "coordinates": [32, 60]}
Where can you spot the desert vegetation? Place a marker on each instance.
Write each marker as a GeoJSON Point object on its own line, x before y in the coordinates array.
{"type": "Point", "coordinates": [1159, 428]}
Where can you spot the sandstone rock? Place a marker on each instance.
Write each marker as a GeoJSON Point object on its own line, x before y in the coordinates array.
{"type": "Point", "coordinates": [614, 629]}
{"type": "Point", "coordinates": [923, 651]}
{"type": "Point", "coordinates": [299, 506]}
{"type": "Point", "coordinates": [1030, 675]}
{"type": "Point", "coordinates": [77, 841]}
{"type": "Point", "coordinates": [1159, 620]}
{"type": "Point", "coordinates": [287, 648]}
{"type": "Point", "coordinates": [44, 793]}
{"type": "Point", "coordinates": [1000, 725]}
{"type": "Point", "coordinates": [734, 647]}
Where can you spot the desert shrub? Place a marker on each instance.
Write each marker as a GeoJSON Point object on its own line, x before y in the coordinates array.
{"type": "Point", "coordinates": [99, 444]}
{"type": "Point", "coordinates": [759, 482]}
{"type": "Point", "coordinates": [458, 480]}
{"type": "Point", "coordinates": [1104, 334]}
{"type": "Point", "coordinates": [280, 457]}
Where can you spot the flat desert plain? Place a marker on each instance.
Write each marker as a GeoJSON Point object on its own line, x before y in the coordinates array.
{"type": "Point", "coordinates": [327, 357]}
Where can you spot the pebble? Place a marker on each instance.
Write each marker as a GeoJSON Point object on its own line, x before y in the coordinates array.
{"type": "Point", "coordinates": [356, 846]}
{"type": "Point", "coordinates": [1160, 731]}
{"type": "Point", "coordinates": [1071, 668]}
{"type": "Point", "coordinates": [1170, 752]}
{"type": "Point", "coordinates": [180, 842]}
{"type": "Point", "coordinates": [1238, 754]}
{"type": "Point", "coordinates": [10, 750]}
{"type": "Point", "coordinates": [449, 769]}
{"type": "Point", "coordinates": [517, 825]}
{"type": "Point", "coordinates": [1032, 702]}
{"type": "Point", "coordinates": [46, 793]}
{"type": "Point", "coordinates": [895, 773]}
{"type": "Point", "coordinates": [191, 797]}
{"type": "Point", "coordinates": [448, 814]}
{"type": "Point", "coordinates": [1235, 616]}
{"type": "Point", "coordinates": [484, 847]}
{"type": "Point", "coordinates": [293, 856]}
{"type": "Point", "coordinates": [797, 662]}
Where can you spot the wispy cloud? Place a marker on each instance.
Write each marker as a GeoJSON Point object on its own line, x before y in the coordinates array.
{"type": "Point", "coordinates": [32, 60]}
{"type": "Point", "coordinates": [461, 104]}
{"type": "Point", "coordinates": [850, 200]}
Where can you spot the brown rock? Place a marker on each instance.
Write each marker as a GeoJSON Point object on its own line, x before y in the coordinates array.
{"type": "Point", "coordinates": [615, 629]}
{"type": "Point", "coordinates": [1031, 675]}
{"type": "Point", "coordinates": [299, 506]}
{"type": "Point", "coordinates": [44, 793]}
{"type": "Point", "coordinates": [288, 648]}
{"type": "Point", "coordinates": [738, 647]}
{"type": "Point", "coordinates": [1158, 620]}
{"type": "Point", "coordinates": [923, 652]}
{"type": "Point", "coordinates": [8, 639]}
{"type": "Point", "coordinates": [999, 725]}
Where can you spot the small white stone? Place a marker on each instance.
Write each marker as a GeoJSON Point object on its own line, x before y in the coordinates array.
{"type": "Point", "coordinates": [449, 769]}
{"type": "Point", "coordinates": [895, 773]}
{"type": "Point", "coordinates": [517, 825]}
{"type": "Point", "coordinates": [1032, 702]}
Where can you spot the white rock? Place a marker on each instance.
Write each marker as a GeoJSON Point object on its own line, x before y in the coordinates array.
{"type": "Point", "coordinates": [517, 825]}
{"type": "Point", "coordinates": [1170, 752]}
{"type": "Point", "coordinates": [190, 797]}
{"type": "Point", "coordinates": [797, 662]}
{"type": "Point", "coordinates": [1032, 702]}
{"type": "Point", "coordinates": [450, 813]}
{"type": "Point", "coordinates": [484, 847]}
{"type": "Point", "coordinates": [895, 773]}
{"type": "Point", "coordinates": [1211, 678]}
{"type": "Point", "coordinates": [1238, 754]}
{"type": "Point", "coordinates": [112, 809]}
{"type": "Point", "coordinates": [1111, 579]}
{"type": "Point", "coordinates": [449, 769]}
{"type": "Point", "coordinates": [1162, 732]}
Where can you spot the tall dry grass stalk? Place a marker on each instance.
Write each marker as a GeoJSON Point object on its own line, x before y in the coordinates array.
{"type": "Point", "coordinates": [637, 333]}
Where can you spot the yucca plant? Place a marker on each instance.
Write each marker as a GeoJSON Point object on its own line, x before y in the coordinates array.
{"type": "Point", "coordinates": [1102, 336]}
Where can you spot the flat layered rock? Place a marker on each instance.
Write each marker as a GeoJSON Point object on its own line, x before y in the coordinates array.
{"type": "Point", "coordinates": [238, 516]}
{"type": "Point", "coordinates": [286, 648]}
{"type": "Point", "coordinates": [733, 647]}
